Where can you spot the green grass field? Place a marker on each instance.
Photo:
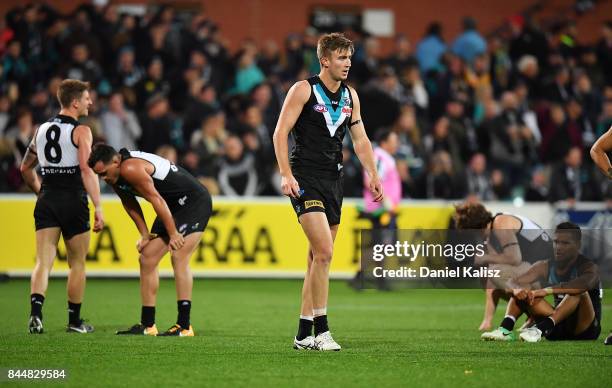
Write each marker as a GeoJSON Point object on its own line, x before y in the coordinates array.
{"type": "Point", "coordinates": [244, 334]}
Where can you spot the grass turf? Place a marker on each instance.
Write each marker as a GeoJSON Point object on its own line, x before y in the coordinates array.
{"type": "Point", "coordinates": [244, 331]}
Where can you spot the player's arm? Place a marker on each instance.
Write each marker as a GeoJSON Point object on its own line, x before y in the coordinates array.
{"type": "Point", "coordinates": [598, 153]}
{"type": "Point", "coordinates": [297, 96]}
{"type": "Point", "coordinates": [588, 279]}
{"type": "Point", "coordinates": [505, 228]}
{"type": "Point", "coordinates": [136, 175]}
{"type": "Point", "coordinates": [133, 209]}
{"type": "Point", "coordinates": [363, 148]}
{"type": "Point", "coordinates": [28, 165]}
{"type": "Point", "coordinates": [538, 271]}
{"type": "Point", "coordinates": [83, 140]}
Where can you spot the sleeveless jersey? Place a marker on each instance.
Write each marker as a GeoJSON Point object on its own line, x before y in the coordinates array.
{"type": "Point", "coordinates": [534, 242]}
{"type": "Point", "coordinates": [176, 186]}
{"type": "Point", "coordinates": [58, 155]}
{"type": "Point", "coordinates": [319, 131]}
{"type": "Point", "coordinates": [553, 279]}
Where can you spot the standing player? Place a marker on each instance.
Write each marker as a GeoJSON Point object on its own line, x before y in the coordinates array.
{"type": "Point", "coordinates": [600, 157]}
{"type": "Point", "coordinates": [513, 242]}
{"type": "Point", "coordinates": [320, 110]}
{"type": "Point", "coordinates": [183, 207]}
{"type": "Point", "coordinates": [61, 146]}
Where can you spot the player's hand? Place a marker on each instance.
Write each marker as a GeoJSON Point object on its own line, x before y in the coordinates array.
{"type": "Point", "coordinates": [144, 241]}
{"type": "Point", "coordinates": [290, 186]}
{"type": "Point", "coordinates": [376, 188]}
{"type": "Point", "coordinates": [520, 293]}
{"type": "Point", "coordinates": [176, 241]}
{"type": "Point", "coordinates": [534, 294]}
{"type": "Point", "coordinates": [98, 221]}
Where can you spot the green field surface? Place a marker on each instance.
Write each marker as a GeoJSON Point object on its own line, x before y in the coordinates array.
{"type": "Point", "coordinates": [244, 332]}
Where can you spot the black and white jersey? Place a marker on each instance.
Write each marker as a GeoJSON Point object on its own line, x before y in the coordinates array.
{"type": "Point", "coordinates": [58, 155]}
{"type": "Point", "coordinates": [319, 131]}
{"type": "Point", "coordinates": [176, 186]}
{"type": "Point", "coordinates": [534, 242]}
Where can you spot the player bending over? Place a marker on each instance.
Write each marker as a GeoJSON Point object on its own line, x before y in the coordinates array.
{"type": "Point", "coordinates": [183, 207]}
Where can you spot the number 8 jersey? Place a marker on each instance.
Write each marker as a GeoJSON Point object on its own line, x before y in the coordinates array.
{"type": "Point", "coordinates": [58, 155]}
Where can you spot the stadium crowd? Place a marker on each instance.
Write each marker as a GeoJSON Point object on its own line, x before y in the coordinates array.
{"type": "Point", "coordinates": [511, 115]}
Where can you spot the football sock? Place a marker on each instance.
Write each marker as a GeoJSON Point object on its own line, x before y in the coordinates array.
{"type": "Point", "coordinates": [74, 313]}
{"type": "Point", "coordinates": [546, 324]}
{"type": "Point", "coordinates": [147, 316]}
{"type": "Point", "coordinates": [36, 303]}
{"type": "Point", "coordinates": [305, 327]}
{"type": "Point", "coordinates": [508, 322]}
{"type": "Point", "coordinates": [320, 324]}
{"type": "Point", "coordinates": [184, 309]}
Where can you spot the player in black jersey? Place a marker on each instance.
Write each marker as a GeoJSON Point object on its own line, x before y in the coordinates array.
{"type": "Point", "coordinates": [320, 111]}
{"type": "Point", "coordinates": [572, 279]}
{"type": "Point", "coordinates": [183, 207]}
{"type": "Point", "coordinates": [514, 243]}
{"type": "Point", "coordinates": [61, 147]}
{"type": "Point", "coordinates": [599, 154]}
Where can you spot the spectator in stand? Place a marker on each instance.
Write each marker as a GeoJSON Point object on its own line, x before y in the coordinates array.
{"type": "Point", "coordinates": [430, 49]}
{"type": "Point", "coordinates": [238, 172]}
{"type": "Point", "coordinates": [571, 181]}
{"type": "Point", "coordinates": [477, 179]}
{"type": "Point", "coordinates": [470, 43]}
{"type": "Point", "coordinates": [119, 124]}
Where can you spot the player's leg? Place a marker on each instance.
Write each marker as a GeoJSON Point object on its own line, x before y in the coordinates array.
{"type": "Point", "coordinates": [76, 252]}
{"type": "Point", "coordinates": [46, 249]}
{"type": "Point", "coordinates": [491, 300]}
{"type": "Point", "coordinates": [149, 284]}
{"type": "Point", "coordinates": [184, 286]}
{"type": "Point", "coordinates": [542, 312]}
{"type": "Point", "coordinates": [586, 314]}
{"type": "Point", "coordinates": [304, 338]}
{"type": "Point", "coordinates": [504, 332]}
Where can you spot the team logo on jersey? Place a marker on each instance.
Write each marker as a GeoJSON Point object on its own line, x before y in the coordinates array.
{"type": "Point", "coordinates": [320, 108]}
{"type": "Point", "coordinates": [315, 203]}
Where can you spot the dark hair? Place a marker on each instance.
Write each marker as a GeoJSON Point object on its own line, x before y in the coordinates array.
{"type": "Point", "coordinates": [101, 152]}
{"type": "Point", "coordinates": [571, 228]}
{"type": "Point", "coordinates": [472, 216]}
{"type": "Point", "coordinates": [383, 135]}
{"type": "Point", "coordinates": [69, 90]}
{"type": "Point", "coordinates": [329, 43]}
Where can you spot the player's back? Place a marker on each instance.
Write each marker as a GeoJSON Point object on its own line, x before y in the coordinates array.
{"type": "Point", "coordinates": [58, 155]}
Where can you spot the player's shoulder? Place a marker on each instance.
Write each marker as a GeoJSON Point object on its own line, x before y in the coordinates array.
{"type": "Point", "coordinates": [506, 221]}
{"type": "Point", "coordinates": [300, 91]}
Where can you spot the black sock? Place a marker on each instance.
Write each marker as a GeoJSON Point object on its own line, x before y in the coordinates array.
{"type": "Point", "coordinates": [74, 313]}
{"type": "Point", "coordinates": [508, 323]}
{"type": "Point", "coordinates": [36, 302]}
{"type": "Point", "coordinates": [545, 325]}
{"type": "Point", "coordinates": [147, 316]}
{"type": "Point", "coordinates": [184, 309]}
{"type": "Point", "coordinates": [320, 324]}
{"type": "Point", "coordinates": [304, 329]}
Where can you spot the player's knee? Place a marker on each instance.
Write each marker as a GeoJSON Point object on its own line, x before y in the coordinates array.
{"type": "Point", "coordinates": [145, 262]}
{"type": "Point", "coordinates": [323, 255]}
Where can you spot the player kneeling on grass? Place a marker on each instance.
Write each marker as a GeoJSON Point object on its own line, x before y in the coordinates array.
{"type": "Point", "coordinates": [183, 207]}
{"type": "Point", "coordinates": [573, 281]}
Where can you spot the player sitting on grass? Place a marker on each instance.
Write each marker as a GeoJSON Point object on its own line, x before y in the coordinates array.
{"type": "Point", "coordinates": [513, 242]}
{"type": "Point", "coordinates": [573, 280]}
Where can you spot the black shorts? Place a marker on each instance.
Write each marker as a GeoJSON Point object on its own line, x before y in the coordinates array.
{"type": "Point", "coordinates": [67, 210]}
{"type": "Point", "coordinates": [564, 330]}
{"type": "Point", "coordinates": [190, 219]}
{"type": "Point", "coordinates": [319, 195]}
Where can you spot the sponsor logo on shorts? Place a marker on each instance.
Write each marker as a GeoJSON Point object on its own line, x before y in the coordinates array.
{"type": "Point", "coordinates": [320, 108]}
{"type": "Point", "coordinates": [309, 204]}
{"type": "Point", "coordinates": [195, 226]}
{"type": "Point", "coordinates": [182, 201]}
{"type": "Point", "coordinates": [298, 208]}
{"type": "Point", "coordinates": [182, 228]}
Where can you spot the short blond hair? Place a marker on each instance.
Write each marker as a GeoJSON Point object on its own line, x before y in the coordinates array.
{"type": "Point", "coordinates": [70, 89]}
{"type": "Point", "coordinates": [329, 43]}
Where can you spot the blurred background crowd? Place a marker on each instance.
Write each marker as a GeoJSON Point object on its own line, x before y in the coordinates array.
{"type": "Point", "coordinates": [499, 117]}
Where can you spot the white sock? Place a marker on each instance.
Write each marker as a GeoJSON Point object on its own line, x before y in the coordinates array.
{"type": "Point", "coordinates": [307, 317]}
{"type": "Point", "coordinates": [319, 312]}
